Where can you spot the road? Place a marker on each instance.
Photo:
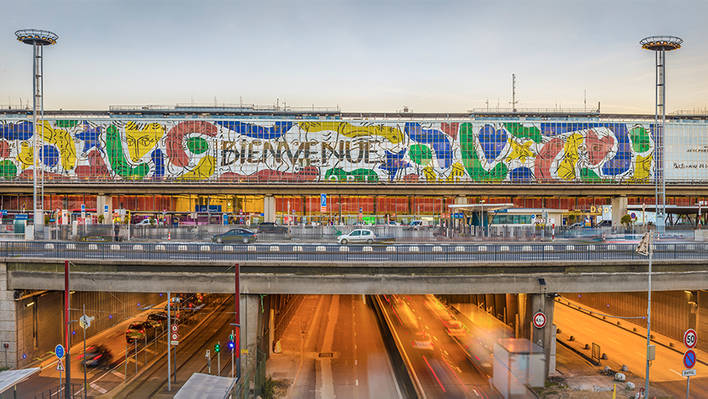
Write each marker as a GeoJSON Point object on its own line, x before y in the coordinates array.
{"type": "Point", "coordinates": [439, 362]}
{"type": "Point", "coordinates": [189, 356]}
{"type": "Point", "coordinates": [102, 380]}
{"type": "Point", "coordinates": [625, 347]}
{"type": "Point", "coordinates": [341, 351]}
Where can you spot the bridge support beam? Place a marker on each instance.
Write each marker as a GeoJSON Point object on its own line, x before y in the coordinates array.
{"type": "Point", "coordinates": [8, 322]}
{"type": "Point", "coordinates": [269, 209]}
{"type": "Point", "coordinates": [543, 337]}
{"type": "Point", "coordinates": [619, 209]}
{"type": "Point", "coordinates": [250, 353]}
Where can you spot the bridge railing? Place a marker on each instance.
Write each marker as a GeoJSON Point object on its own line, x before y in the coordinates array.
{"type": "Point", "coordinates": [433, 253]}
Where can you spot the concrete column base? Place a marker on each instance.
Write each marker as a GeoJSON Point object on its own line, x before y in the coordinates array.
{"type": "Point", "coordinates": [269, 209]}
{"type": "Point", "coordinates": [101, 202]}
{"type": "Point", "coordinates": [250, 313]}
{"type": "Point", "coordinates": [619, 209]}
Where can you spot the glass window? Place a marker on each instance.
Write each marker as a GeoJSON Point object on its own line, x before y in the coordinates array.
{"type": "Point", "coordinates": [356, 233]}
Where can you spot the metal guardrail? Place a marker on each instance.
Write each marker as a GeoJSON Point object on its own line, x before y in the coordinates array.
{"type": "Point", "coordinates": [347, 253]}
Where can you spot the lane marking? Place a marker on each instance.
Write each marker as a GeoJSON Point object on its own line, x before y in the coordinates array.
{"type": "Point", "coordinates": [434, 374]}
{"type": "Point", "coordinates": [98, 388]}
{"type": "Point", "coordinates": [356, 382]}
{"type": "Point", "coordinates": [674, 371]}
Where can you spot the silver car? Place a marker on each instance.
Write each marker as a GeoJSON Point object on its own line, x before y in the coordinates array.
{"type": "Point", "coordinates": [358, 235]}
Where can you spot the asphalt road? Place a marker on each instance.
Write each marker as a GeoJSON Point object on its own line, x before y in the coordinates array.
{"type": "Point", "coordinates": [442, 366]}
{"type": "Point", "coordinates": [342, 353]}
{"type": "Point", "coordinates": [102, 380]}
{"type": "Point", "coordinates": [624, 347]}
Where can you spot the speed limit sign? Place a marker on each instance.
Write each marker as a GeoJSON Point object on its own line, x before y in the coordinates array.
{"type": "Point", "coordinates": [539, 319]}
{"type": "Point", "coordinates": [690, 338]}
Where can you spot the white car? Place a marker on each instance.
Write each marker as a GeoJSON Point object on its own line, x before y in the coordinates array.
{"type": "Point", "coordinates": [358, 235]}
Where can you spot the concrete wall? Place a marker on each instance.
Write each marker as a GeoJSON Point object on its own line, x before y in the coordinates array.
{"type": "Point", "coordinates": [8, 323]}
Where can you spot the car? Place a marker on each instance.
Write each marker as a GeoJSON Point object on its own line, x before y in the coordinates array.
{"type": "Point", "coordinates": [271, 228]}
{"type": "Point", "coordinates": [145, 222]}
{"type": "Point", "coordinates": [605, 223]}
{"type": "Point", "coordinates": [578, 225]}
{"type": "Point", "coordinates": [96, 356]}
{"type": "Point", "coordinates": [422, 340]}
{"type": "Point", "coordinates": [160, 317]}
{"type": "Point", "coordinates": [415, 225]}
{"type": "Point", "coordinates": [454, 328]}
{"type": "Point", "coordinates": [136, 331]}
{"type": "Point", "coordinates": [234, 235]}
{"type": "Point", "coordinates": [358, 235]}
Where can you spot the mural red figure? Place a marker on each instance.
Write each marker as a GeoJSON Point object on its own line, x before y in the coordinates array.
{"type": "Point", "coordinates": [173, 142]}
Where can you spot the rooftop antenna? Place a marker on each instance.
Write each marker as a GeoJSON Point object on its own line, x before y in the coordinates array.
{"type": "Point", "coordinates": [585, 100]}
{"type": "Point", "coordinates": [487, 102]}
{"type": "Point", "coordinates": [513, 93]}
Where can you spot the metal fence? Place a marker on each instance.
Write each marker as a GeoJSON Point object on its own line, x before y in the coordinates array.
{"type": "Point", "coordinates": [346, 253]}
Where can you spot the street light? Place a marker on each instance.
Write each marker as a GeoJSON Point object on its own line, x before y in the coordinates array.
{"type": "Point", "coordinates": [37, 39]}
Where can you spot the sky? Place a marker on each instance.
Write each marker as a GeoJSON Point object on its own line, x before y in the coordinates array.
{"type": "Point", "coordinates": [377, 56]}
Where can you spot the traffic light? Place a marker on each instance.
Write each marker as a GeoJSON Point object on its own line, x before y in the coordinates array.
{"type": "Point", "coordinates": [230, 344]}
{"type": "Point", "coordinates": [217, 348]}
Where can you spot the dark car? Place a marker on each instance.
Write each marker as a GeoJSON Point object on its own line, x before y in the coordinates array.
{"type": "Point", "coordinates": [235, 235]}
{"type": "Point", "coordinates": [96, 356]}
{"type": "Point", "coordinates": [272, 228]}
{"type": "Point", "coordinates": [159, 317]}
{"type": "Point", "coordinates": [136, 332]}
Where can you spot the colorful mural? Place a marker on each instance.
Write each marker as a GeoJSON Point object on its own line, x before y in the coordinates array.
{"type": "Point", "coordinates": [252, 150]}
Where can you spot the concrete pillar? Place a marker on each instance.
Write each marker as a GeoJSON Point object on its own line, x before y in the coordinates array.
{"type": "Point", "coordinates": [489, 303]}
{"type": "Point", "coordinates": [101, 201]}
{"type": "Point", "coordinates": [512, 308]}
{"type": "Point", "coordinates": [619, 209]}
{"type": "Point", "coordinates": [544, 337]}
{"type": "Point", "coordinates": [250, 313]}
{"type": "Point", "coordinates": [459, 200]}
{"type": "Point", "coordinates": [8, 322]}
{"type": "Point", "coordinates": [269, 209]}
{"type": "Point", "coordinates": [500, 307]}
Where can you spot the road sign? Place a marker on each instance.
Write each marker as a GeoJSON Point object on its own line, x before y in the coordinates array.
{"type": "Point", "coordinates": [174, 328]}
{"type": "Point", "coordinates": [539, 319]}
{"type": "Point", "coordinates": [323, 200]}
{"type": "Point", "coordinates": [689, 359]}
{"type": "Point", "coordinates": [688, 373]}
{"type": "Point", "coordinates": [174, 336]}
{"type": "Point", "coordinates": [690, 338]}
{"type": "Point", "coordinates": [207, 354]}
{"type": "Point", "coordinates": [60, 365]}
{"type": "Point", "coordinates": [59, 351]}
{"type": "Point", "coordinates": [85, 321]}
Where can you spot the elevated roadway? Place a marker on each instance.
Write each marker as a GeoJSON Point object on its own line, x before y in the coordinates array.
{"type": "Point", "coordinates": [334, 269]}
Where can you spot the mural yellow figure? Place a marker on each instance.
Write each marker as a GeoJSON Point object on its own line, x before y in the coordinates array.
{"type": "Point", "coordinates": [26, 156]}
{"type": "Point", "coordinates": [566, 169]}
{"type": "Point", "coordinates": [63, 141]}
{"type": "Point", "coordinates": [203, 170]}
{"type": "Point", "coordinates": [643, 165]}
{"type": "Point", "coordinates": [429, 174]}
{"type": "Point", "coordinates": [142, 138]}
{"type": "Point", "coordinates": [392, 134]}
{"type": "Point", "coordinates": [457, 173]}
{"type": "Point", "coordinates": [520, 151]}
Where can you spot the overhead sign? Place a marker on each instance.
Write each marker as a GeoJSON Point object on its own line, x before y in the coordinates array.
{"type": "Point", "coordinates": [689, 359]}
{"type": "Point", "coordinates": [690, 338]}
{"type": "Point", "coordinates": [323, 200]}
{"type": "Point", "coordinates": [688, 373]}
{"type": "Point", "coordinates": [60, 365]}
{"type": "Point", "coordinates": [59, 351]}
{"type": "Point", "coordinates": [539, 319]}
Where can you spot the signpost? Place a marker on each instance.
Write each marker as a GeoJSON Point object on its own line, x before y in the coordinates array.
{"type": "Point", "coordinates": [174, 335]}
{"type": "Point", "coordinates": [59, 352]}
{"type": "Point", "coordinates": [689, 358]}
{"type": "Point", "coordinates": [323, 202]}
{"type": "Point", "coordinates": [539, 319]}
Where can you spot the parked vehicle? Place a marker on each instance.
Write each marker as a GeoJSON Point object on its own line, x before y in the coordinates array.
{"type": "Point", "coordinates": [415, 225]}
{"type": "Point", "coordinates": [96, 356]}
{"type": "Point", "coordinates": [235, 235]}
{"type": "Point", "coordinates": [271, 228]}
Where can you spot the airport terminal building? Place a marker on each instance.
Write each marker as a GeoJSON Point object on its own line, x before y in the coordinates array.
{"type": "Point", "coordinates": [276, 165]}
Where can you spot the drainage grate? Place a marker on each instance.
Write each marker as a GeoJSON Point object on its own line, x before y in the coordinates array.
{"type": "Point", "coordinates": [326, 354]}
